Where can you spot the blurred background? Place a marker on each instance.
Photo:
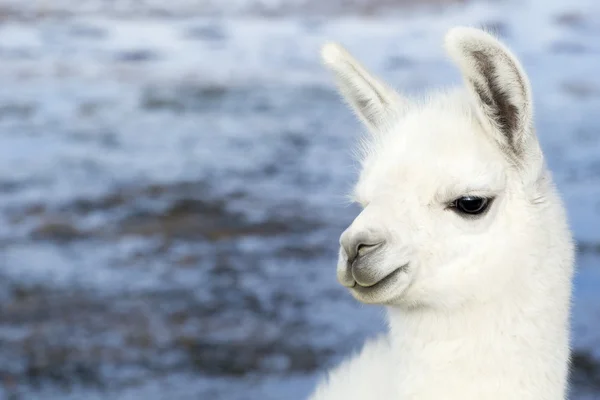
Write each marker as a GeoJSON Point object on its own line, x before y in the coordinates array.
{"type": "Point", "coordinates": [173, 173]}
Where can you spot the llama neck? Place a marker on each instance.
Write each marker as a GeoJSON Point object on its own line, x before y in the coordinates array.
{"type": "Point", "coordinates": [504, 350]}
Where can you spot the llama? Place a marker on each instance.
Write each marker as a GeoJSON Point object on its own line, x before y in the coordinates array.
{"type": "Point", "coordinates": [462, 237]}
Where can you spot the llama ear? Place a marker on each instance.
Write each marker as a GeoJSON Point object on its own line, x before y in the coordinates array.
{"type": "Point", "coordinates": [499, 86]}
{"type": "Point", "coordinates": [375, 103]}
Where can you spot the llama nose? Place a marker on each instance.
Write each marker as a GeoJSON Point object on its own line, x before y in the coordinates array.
{"type": "Point", "coordinates": [359, 244]}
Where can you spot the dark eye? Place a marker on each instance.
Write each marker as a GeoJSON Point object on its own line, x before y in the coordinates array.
{"type": "Point", "coordinates": [471, 205]}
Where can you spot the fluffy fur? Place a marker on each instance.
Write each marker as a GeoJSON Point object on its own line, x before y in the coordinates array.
{"type": "Point", "coordinates": [478, 307]}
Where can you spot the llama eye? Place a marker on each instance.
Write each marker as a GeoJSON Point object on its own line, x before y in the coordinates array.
{"type": "Point", "coordinates": [471, 205]}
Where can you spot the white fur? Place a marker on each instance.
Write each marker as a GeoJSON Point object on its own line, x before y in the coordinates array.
{"type": "Point", "coordinates": [482, 312]}
{"type": "Point", "coordinates": [373, 101]}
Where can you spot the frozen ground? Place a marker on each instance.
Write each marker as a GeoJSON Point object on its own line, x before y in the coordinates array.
{"type": "Point", "coordinates": [172, 187]}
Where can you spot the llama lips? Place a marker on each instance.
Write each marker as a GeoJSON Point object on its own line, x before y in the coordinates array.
{"type": "Point", "coordinates": [381, 282]}
{"type": "Point", "coordinates": [345, 277]}
{"type": "Point", "coordinates": [368, 270]}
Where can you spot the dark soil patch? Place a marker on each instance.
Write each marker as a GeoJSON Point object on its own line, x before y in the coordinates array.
{"type": "Point", "coordinates": [176, 211]}
{"type": "Point", "coordinates": [585, 370]}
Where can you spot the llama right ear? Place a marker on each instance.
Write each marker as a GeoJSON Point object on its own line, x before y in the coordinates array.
{"type": "Point", "coordinates": [376, 104]}
{"type": "Point", "coordinates": [500, 89]}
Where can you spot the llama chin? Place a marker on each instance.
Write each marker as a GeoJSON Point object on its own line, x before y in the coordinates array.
{"type": "Point", "coordinates": [462, 237]}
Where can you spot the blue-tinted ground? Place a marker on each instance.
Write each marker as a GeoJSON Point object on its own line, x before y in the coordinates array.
{"type": "Point", "coordinates": [172, 187]}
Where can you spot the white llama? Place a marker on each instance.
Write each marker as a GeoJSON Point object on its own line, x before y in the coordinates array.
{"type": "Point", "coordinates": [462, 237]}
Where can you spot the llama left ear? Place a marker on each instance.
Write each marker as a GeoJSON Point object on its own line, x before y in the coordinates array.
{"type": "Point", "coordinates": [500, 89]}
{"type": "Point", "coordinates": [375, 103]}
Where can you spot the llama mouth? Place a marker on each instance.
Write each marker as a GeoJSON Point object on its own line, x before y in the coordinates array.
{"type": "Point", "coordinates": [383, 282]}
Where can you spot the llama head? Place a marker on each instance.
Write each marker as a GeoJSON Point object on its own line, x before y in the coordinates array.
{"type": "Point", "coordinates": [447, 185]}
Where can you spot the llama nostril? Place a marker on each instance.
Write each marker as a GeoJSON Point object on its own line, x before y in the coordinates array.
{"type": "Point", "coordinates": [357, 244]}
{"type": "Point", "coordinates": [363, 249]}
